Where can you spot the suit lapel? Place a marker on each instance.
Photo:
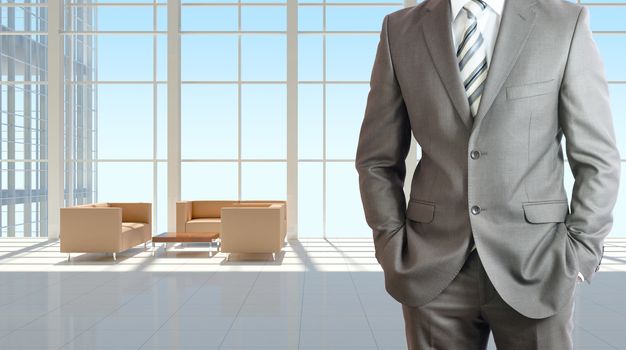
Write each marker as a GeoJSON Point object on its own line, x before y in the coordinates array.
{"type": "Point", "coordinates": [438, 36]}
{"type": "Point", "coordinates": [516, 23]}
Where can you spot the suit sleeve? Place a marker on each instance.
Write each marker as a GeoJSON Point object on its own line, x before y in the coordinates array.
{"type": "Point", "coordinates": [586, 121]}
{"type": "Point", "coordinates": [383, 145]}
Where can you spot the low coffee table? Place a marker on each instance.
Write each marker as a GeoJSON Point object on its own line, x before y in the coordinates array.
{"type": "Point", "coordinates": [184, 237]}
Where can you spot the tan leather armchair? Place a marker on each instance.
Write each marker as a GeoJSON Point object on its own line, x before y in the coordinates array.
{"type": "Point", "coordinates": [206, 216]}
{"type": "Point", "coordinates": [105, 227]}
{"type": "Point", "coordinates": [254, 228]}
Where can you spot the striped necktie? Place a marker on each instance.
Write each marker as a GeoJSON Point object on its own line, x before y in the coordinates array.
{"type": "Point", "coordinates": [472, 56]}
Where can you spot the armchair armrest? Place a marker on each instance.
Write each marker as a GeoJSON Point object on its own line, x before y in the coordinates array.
{"type": "Point", "coordinates": [183, 214]}
{"type": "Point", "coordinates": [283, 222]}
{"type": "Point", "coordinates": [137, 212]}
{"type": "Point", "coordinates": [85, 229]}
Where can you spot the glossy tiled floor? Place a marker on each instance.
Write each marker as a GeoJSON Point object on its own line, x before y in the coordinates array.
{"type": "Point", "coordinates": [319, 294]}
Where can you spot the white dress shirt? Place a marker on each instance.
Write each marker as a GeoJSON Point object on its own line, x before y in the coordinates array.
{"type": "Point", "coordinates": [488, 23]}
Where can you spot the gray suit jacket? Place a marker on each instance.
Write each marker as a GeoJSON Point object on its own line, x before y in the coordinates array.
{"type": "Point", "coordinates": [498, 177]}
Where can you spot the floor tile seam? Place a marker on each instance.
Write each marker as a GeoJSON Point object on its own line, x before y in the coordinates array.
{"type": "Point", "coordinates": [598, 338]}
{"type": "Point", "coordinates": [112, 312]}
{"type": "Point", "coordinates": [306, 267]}
{"type": "Point", "coordinates": [213, 273]}
{"type": "Point", "coordinates": [608, 309]}
{"type": "Point", "coordinates": [50, 311]}
{"type": "Point", "coordinates": [363, 309]}
{"type": "Point", "coordinates": [36, 290]}
{"type": "Point", "coordinates": [23, 278]}
{"type": "Point", "coordinates": [230, 327]}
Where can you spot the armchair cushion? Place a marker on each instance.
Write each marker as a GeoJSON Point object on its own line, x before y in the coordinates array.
{"type": "Point", "coordinates": [129, 226]}
{"type": "Point", "coordinates": [204, 225]}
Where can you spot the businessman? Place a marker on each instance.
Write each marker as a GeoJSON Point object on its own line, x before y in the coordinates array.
{"type": "Point", "coordinates": [488, 241]}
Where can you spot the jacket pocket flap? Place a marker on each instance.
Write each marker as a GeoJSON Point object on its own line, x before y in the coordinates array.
{"type": "Point", "coordinates": [528, 90]}
{"type": "Point", "coordinates": [420, 211]}
{"type": "Point", "coordinates": [546, 211]}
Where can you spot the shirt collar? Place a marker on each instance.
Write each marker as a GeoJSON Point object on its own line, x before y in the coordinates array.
{"type": "Point", "coordinates": [457, 6]}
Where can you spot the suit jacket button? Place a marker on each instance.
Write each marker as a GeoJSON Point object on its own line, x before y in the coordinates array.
{"type": "Point", "coordinates": [475, 210]}
{"type": "Point", "coordinates": [475, 154]}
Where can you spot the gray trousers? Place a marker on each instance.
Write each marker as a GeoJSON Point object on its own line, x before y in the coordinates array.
{"type": "Point", "coordinates": [465, 312]}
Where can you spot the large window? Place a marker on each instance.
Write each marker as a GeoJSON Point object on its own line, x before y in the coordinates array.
{"type": "Point", "coordinates": [336, 47]}
{"type": "Point", "coordinates": [23, 119]}
{"type": "Point", "coordinates": [234, 100]}
{"type": "Point", "coordinates": [116, 103]}
{"type": "Point", "coordinates": [237, 91]}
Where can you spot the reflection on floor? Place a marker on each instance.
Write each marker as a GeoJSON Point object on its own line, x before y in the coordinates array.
{"type": "Point", "coordinates": [318, 294]}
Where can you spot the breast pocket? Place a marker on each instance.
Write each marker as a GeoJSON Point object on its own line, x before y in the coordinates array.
{"type": "Point", "coordinates": [538, 88]}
